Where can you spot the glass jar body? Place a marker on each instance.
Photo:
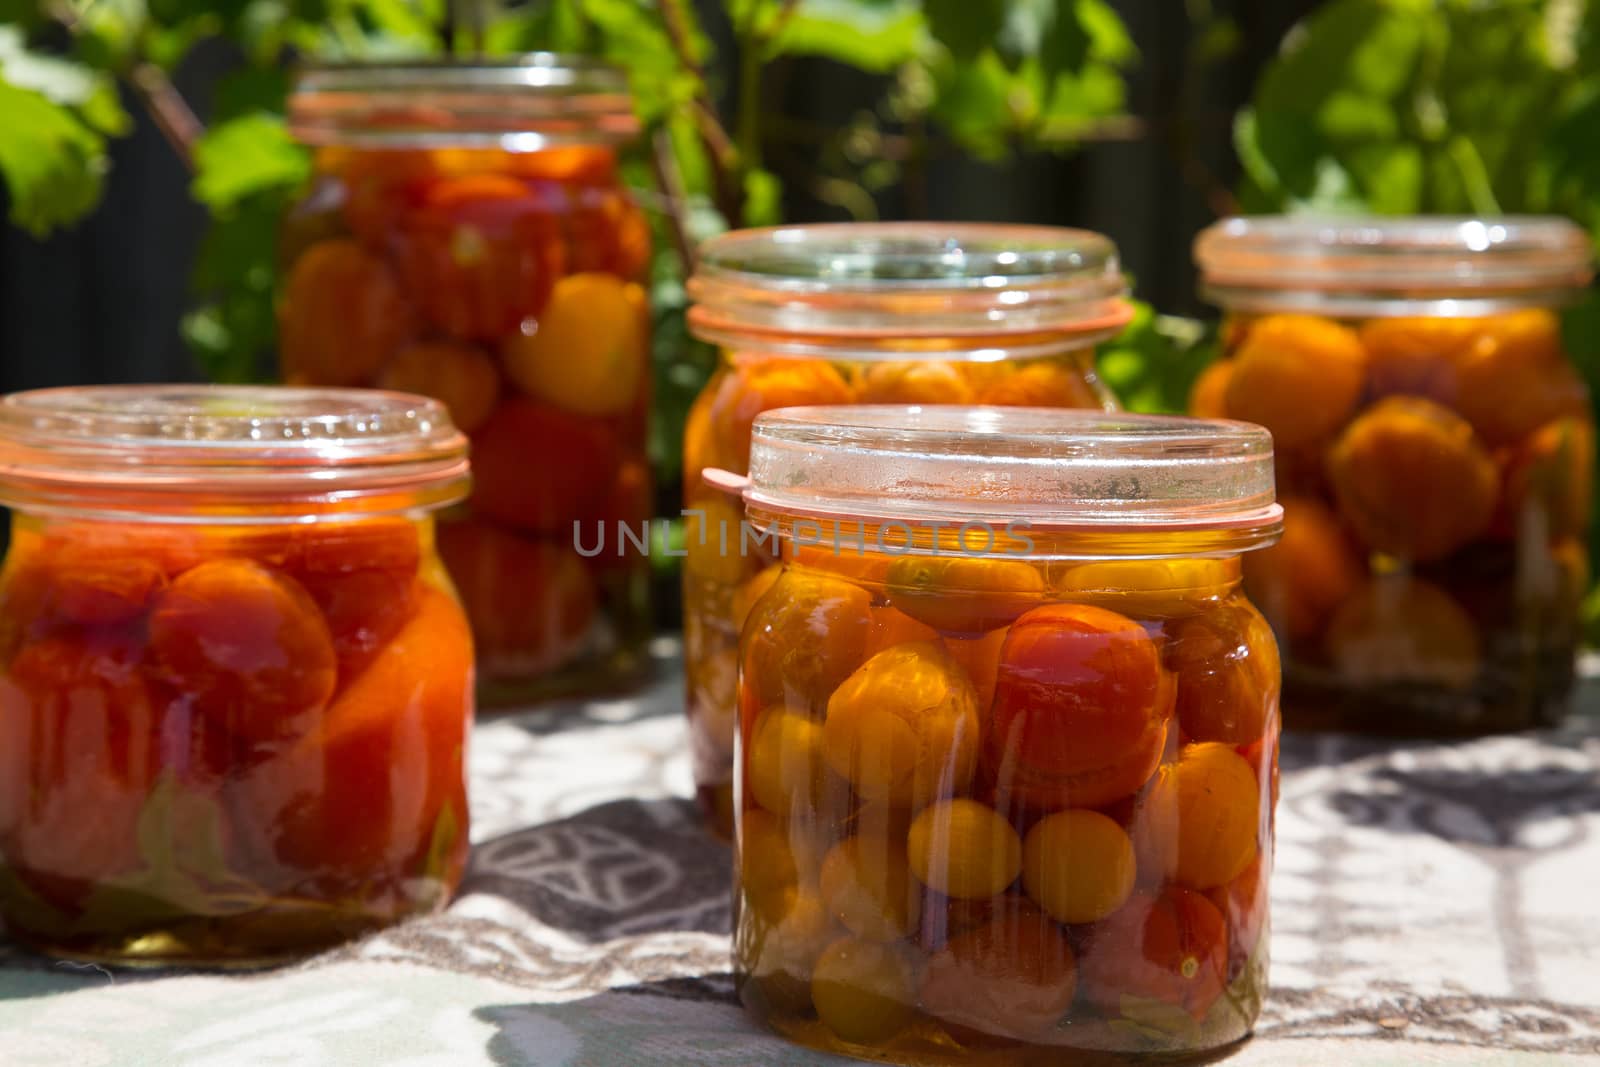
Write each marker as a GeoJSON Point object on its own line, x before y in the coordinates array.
{"type": "Point", "coordinates": [1435, 474]}
{"type": "Point", "coordinates": [726, 569]}
{"type": "Point", "coordinates": [227, 744]}
{"type": "Point", "coordinates": [507, 284]}
{"type": "Point", "coordinates": [1001, 810]}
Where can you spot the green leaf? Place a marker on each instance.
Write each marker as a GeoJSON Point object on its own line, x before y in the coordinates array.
{"type": "Point", "coordinates": [1342, 81]}
{"type": "Point", "coordinates": [974, 102]}
{"type": "Point", "coordinates": [874, 37]}
{"type": "Point", "coordinates": [245, 156]}
{"type": "Point", "coordinates": [966, 27]}
{"type": "Point", "coordinates": [442, 844]}
{"type": "Point", "coordinates": [763, 198]}
{"type": "Point", "coordinates": [53, 162]}
{"type": "Point", "coordinates": [92, 94]}
{"type": "Point", "coordinates": [233, 329]}
{"type": "Point", "coordinates": [1153, 363]}
{"type": "Point", "coordinates": [185, 865]}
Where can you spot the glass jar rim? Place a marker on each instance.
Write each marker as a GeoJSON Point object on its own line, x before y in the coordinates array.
{"type": "Point", "coordinates": [950, 290]}
{"type": "Point", "coordinates": [212, 453]}
{"type": "Point", "coordinates": [518, 103]}
{"type": "Point", "coordinates": [1137, 478]}
{"type": "Point", "coordinates": [1415, 265]}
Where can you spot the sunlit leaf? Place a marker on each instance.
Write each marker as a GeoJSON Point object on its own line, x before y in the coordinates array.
{"type": "Point", "coordinates": [54, 164]}
{"type": "Point", "coordinates": [876, 37]}
{"type": "Point", "coordinates": [244, 156]}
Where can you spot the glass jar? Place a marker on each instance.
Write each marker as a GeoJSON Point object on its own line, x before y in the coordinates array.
{"type": "Point", "coordinates": [1008, 727]}
{"type": "Point", "coordinates": [235, 682]}
{"type": "Point", "coordinates": [465, 236]}
{"type": "Point", "coordinates": [1435, 454]}
{"type": "Point", "coordinates": [891, 313]}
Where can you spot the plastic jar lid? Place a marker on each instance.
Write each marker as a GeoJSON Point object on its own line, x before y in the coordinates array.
{"type": "Point", "coordinates": [1126, 482]}
{"type": "Point", "coordinates": [221, 454]}
{"type": "Point", "coordinates": [1422, 265]}
{"type": "Point", "coordinates": [519, 103]}
{"type": "Point", "coordinates": [961, 291]}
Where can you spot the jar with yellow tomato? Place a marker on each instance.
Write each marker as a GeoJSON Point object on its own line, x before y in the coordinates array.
{"type": "Point", "coordinates": [886, 313]}
{"type": "Point", "coordinates": [465, 236]}
{"type": "Point", "coordinates": [1007, 732]}
{"type": "Point", "coordinates": [1436, 452]}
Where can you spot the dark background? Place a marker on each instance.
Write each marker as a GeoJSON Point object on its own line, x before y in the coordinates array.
{"type": "Point", "coordinates": [101, 303]}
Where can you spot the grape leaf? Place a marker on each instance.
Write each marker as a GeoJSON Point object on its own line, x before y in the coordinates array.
{"type": "Point", "coordinates": [185, 872]}
{"type": "Point", "coordinates": [1342, 81]}
{"type": "Point", "coordinates": [232, 330]}
{"type": "Point", "coordinates": [875, 37]}
{"type": "Point", "coordinates": [53, 162]}
{"type": "Point", "coordinates": [245, 156]}
{"type": "Point", "coordinates": [1153, 362]}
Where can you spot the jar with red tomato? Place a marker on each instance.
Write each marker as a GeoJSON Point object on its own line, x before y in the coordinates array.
{"type": "Point", "coordinates": [1007, 735]}
{"type": "Point", "coordinates": [1436, 455]}
{"type": "Point", "coordinates": [235, 681]}
{"type": "Point", "coordinates": [882, 313]}
{"type": "Point", "coordinates": [465, 236]}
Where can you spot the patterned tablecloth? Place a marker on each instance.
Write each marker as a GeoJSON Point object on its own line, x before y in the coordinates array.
{"type": "Point", "coordinates": [1433, 903]}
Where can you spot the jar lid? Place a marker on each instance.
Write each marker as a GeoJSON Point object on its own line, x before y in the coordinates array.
{"type": "Point", "coordinates": [1393, 266]}
{"type": "Point", "coordinates": [227, 453]}
{"type": "Point", "coordinates": [1045, 470]}
{"type": "Point", "coordinates": [522, 103]}
{"type": "Point", "coordinates": [965, 291]}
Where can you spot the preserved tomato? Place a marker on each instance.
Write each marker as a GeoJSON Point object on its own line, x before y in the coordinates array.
{"type": "Point", "coordinates": [509, 285]}
{"type": "Point", "coordinates": [233, 711]}
{"type": "Point", "coordinates": [1436, 462]}
{"type": "Point", "coordinates": [987, 818]}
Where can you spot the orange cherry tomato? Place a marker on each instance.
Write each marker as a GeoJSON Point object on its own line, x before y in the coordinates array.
{"type": "Point", "coordinates": [461, 377]}
{"type": "Point", "coordinates": [539, 469]}
{"type": "Point", "coordinates": [341, 317]}
{"type": "Point", "coordinates": [380, 187]}
{"type": "Point", "coordinates": [1041, 384]}
{"type": "Point", "coordinates": [1300, 581]}
{"type": "Point", "coordinates": [904, 728]}
{"type": "Point", "coordinates": [1226, 663]}
{"type": "Point", "coordinates": [963, 596]}
{"type": "Point", "coordinates": [532, 603]}
{"type": "Point", "coordinates": [1208, 397]}
{"type": "Point", "coordinates": [249, 647]}
{"type": "Point", "coordinates": [1284, 362]}
{"type": "Point", "coordinates": [1417, 356]}
{"type": "Point", "coordinates": [479, 254]}
{"type": "Point", "coordinates": [1199, 824]}
{"type": "Point", "coordinates": [758, 385]}
{"type": "Point", "coordinates": [803, 638]}
{"type": "Point", "coordinates": [927, 382]}
{"type": "Point", "coordinates": [606, 232]}
{"type": "Point", "coordinates": [367, 789]}
{"type": "Point", "coordinates": [1515, 378]}
{"type": "Point", "coordinates": [1171, 947]}
{"type": "Point", "coordinates": [1412, 480]}
{"type": "Point", "coordinates": [363, 576]}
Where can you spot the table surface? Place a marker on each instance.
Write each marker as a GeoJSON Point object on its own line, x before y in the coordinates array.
{"type": "Point", "coordinates": [1432, 903]}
